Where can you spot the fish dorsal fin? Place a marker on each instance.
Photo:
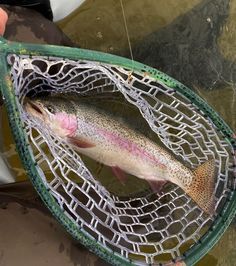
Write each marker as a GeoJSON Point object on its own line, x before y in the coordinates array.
{"type": "Point", "coordinates": [80, 143]}
{"type": "Point", "coordinates": [201, 190]}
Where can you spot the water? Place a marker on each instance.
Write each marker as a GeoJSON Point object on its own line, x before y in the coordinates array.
{"type": "Point", "coordinates": [100, 26]}
{"type": "Point", "coordinates": [162, 36]}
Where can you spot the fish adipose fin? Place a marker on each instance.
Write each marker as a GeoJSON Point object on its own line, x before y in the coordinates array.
{"type": "Point", "coordinates": [202, 187]}
{"type": "Point", "coordinates": [80, 143]}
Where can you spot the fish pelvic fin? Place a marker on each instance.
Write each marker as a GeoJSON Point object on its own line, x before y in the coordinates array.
{"type": "Point", "coordinates": [157, 186]}
{"type": "Point", "coordinates": [201, 189]}
{"type": "Point", "coordinates": [119, 173]}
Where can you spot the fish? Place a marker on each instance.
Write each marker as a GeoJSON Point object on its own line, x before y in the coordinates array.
{"type": "Point", "coordinates": [101, 136]}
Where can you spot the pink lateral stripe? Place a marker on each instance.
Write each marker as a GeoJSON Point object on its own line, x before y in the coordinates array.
{"type": "Point", "coordinates": [130, 146]}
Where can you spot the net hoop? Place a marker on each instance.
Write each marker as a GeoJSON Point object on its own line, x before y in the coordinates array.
{"type": "Point", "coordinates": [222, 220]}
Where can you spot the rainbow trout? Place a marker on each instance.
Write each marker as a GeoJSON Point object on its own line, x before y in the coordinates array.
{"type": "Point", "coordinates": [113, 143]}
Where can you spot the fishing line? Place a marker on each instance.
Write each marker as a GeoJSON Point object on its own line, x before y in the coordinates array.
{"type": "Point", "coordinates": [127, 33]}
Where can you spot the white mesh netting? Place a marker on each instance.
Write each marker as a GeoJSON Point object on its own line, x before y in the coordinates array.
{"type": "Point", "coordinates": [148, 229]}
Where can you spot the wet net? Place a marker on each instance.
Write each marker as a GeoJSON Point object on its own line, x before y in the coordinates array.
{"type": "Point", "coordinates": [154, 228]}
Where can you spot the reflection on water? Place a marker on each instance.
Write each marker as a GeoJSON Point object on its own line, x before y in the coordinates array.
{"type": "Point", "coordinates": [153, 17]}
{"type": "Point", "coordinates": [104, 28]}
{"type": "Point", "coordinates": [100, 26]}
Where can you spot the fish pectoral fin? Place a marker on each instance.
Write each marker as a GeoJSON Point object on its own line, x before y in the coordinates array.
{"type": "Point", "coordinates": [156, 185]}
{"type": "Point", "coordinates": [80, 143]}
{"type": "Point", "coordinates": [119, 173]}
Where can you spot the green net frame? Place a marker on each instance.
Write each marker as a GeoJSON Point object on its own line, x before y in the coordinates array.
{"type": "Point", "coordinates": [19, 65]}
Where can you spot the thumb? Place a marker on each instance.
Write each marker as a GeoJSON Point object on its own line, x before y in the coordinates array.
{"type": "Point", "coordinates": [3, 21]}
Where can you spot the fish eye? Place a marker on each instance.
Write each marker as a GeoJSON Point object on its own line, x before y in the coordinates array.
{"type": "Point", "coordinates": [50, 109]}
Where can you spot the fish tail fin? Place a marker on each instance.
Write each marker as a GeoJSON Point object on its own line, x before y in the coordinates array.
{"type": "Point", "coordinates": [201, 189]}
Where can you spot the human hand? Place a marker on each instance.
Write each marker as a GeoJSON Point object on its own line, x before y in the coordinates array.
{"type": "Point", "coordinates": [3, 21]}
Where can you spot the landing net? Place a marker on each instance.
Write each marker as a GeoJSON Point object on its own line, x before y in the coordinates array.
{"type": "Point", "coordinates": [158, 229]}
